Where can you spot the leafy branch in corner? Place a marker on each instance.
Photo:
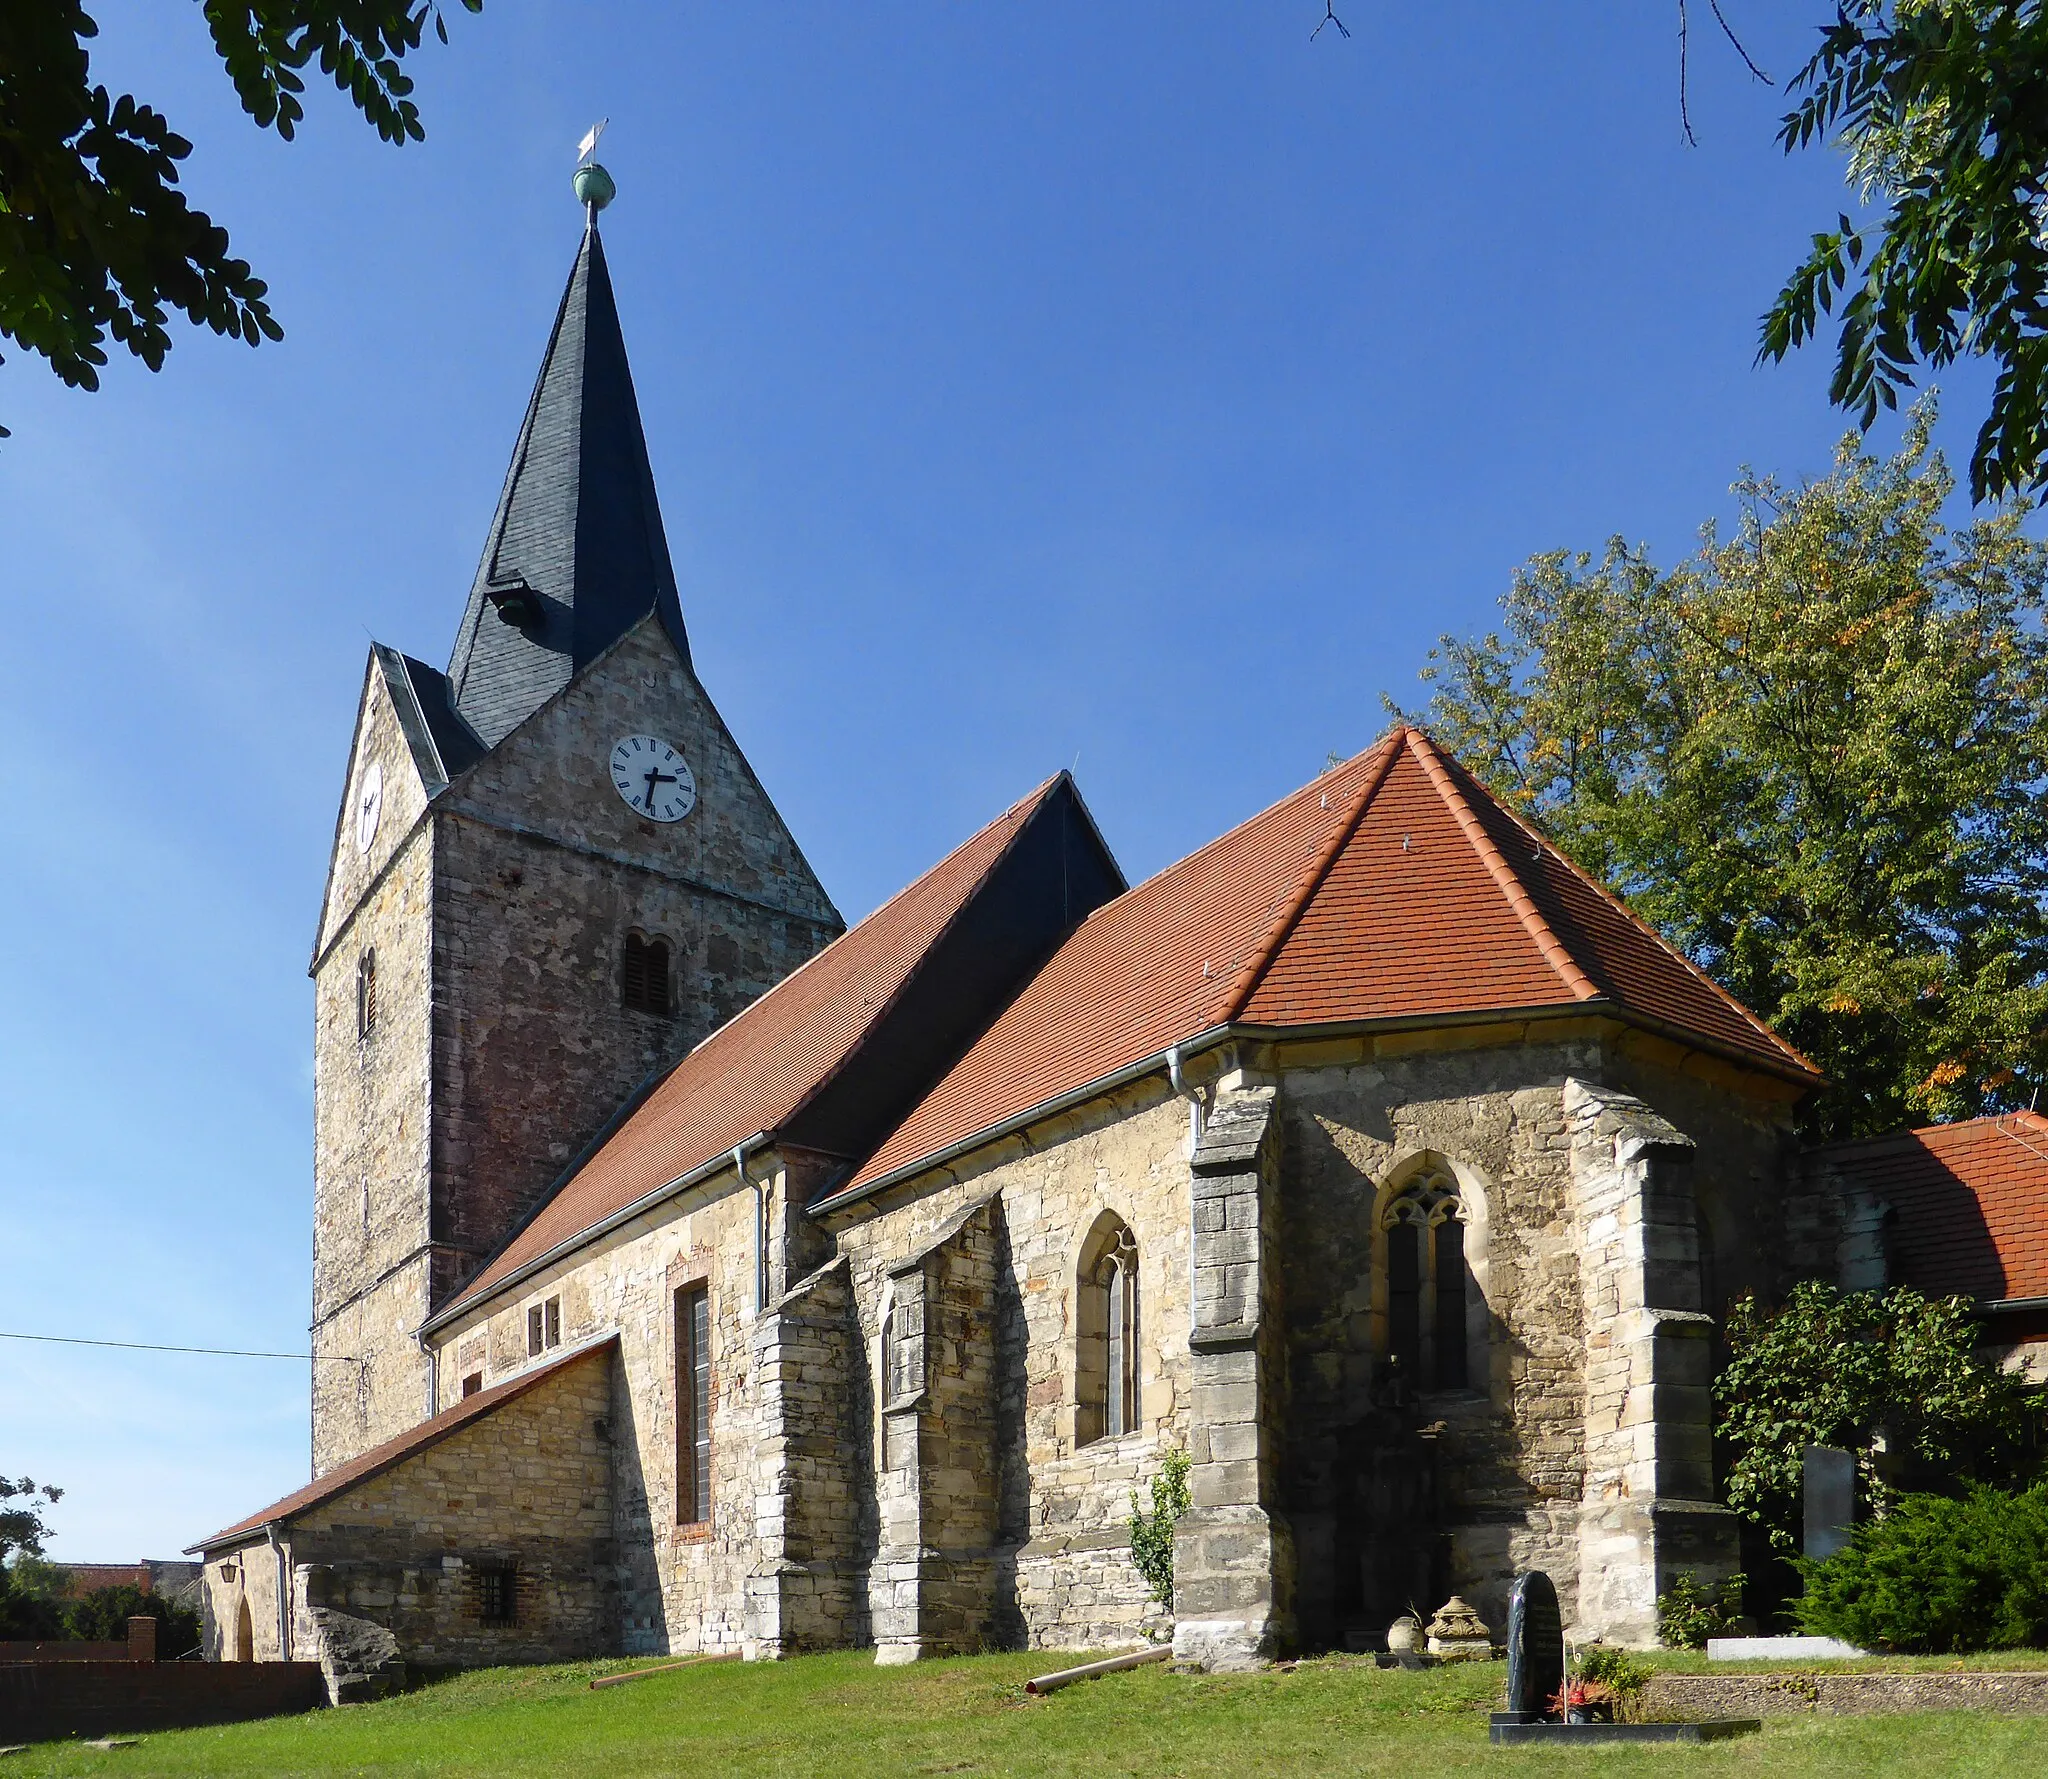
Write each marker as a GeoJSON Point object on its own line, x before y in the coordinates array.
{"type": "Point", "coordinates": [97, 241]}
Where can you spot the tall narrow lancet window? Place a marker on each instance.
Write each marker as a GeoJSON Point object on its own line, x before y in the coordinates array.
{"type": "Point", "coordinates": [693, 1406]}
{"type": "Point", "coordinates": [1429, 1287]}
{"type": "Point", "coordinates": [366, 993]}
{"type": "Point", "coordinates": [1106, 1348]}
{"type": "Point", "coordinates": [644, 976]}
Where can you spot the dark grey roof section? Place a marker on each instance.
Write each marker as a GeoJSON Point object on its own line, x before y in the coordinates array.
{"type": "Point", "coordinates": [577, 526]}
{"type": "Point", "coordinates": [1054, 873]}
{"type": "Point", "coordinates": [443, 745]}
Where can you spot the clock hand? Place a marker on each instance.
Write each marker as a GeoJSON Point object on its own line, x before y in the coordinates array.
{"type": "Point", "coordinates": [654, 778]}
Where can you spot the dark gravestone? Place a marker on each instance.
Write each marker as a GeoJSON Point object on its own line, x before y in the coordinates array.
{"type": "Point", "coordinates": [1535, 1647]}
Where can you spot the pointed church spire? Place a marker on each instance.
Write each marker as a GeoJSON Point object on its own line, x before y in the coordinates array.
{"type": "Point", "coordinates": [576, 554]}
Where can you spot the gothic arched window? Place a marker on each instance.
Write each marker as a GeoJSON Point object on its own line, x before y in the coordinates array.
{"type": "Point", "coordinates": [1429, 1281]}
{"type": "Point", "coordinates": [1106, 1347]}
{"type": "Point", "coordinates": [366, 993]}
{"type": "Point", "coordinates": [644, 976]}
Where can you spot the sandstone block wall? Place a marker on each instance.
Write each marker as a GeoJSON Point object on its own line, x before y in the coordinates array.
{"type": "Point", "coordinates": [529, 1485]}
{"type": "Point", "coordinates": [505, 924]}
{"type": "Point", "coordinates": [682, 1586]}
{"type": "Point", "coordinates": [371, 1237]}
{"type": "Point", "coordinates": [808, 1590]}
{"type": "Point", "coordinates": [1060, 1558]}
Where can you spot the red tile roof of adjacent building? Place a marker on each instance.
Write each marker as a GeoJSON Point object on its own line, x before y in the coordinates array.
{"type": "Point", "coordinates": [1394, 887]}
{"type": "Point", "coordinates": [755, 1071]}
{"type": "Point", "coordinates": [395, 1451]}
{"type": "Point", "coordinates": [1969, 1203]}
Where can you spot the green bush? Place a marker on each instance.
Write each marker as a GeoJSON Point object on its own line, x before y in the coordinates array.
{"type": "Point", "coordinates": [1938, 1577]}
{"type": "Point", "coordinates": [102, 1617]}
{"type": "Point", "coordinates": [1686, 1618]}
{"type": "Point", "coordinates": [1601, 1664]}
{"type": "Point", "coordinates": [1152, 1530]}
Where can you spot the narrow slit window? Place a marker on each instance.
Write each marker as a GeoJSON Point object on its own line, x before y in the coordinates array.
{"type": "Point", "coordinates": [472, 1383]}
{"type": "Point", "coordinates": [644, 976]}
{"type": "Point", "coordinates": [1450, 1304]}
{"type": "Point", "coordinates": [366, 993]}
{"type": "Point", "coordinates": [693, 1406]}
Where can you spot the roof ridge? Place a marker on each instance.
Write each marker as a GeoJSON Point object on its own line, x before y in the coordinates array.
{"type": "Point", "coordinates": [1230, 833]}
{"type": "Point", "coordinates": [1289, 916]}
{"type": "Point", "coordinates": [1032, 804]}
{"type": "Point", "coordinates": [872, 914]}
{"type": "Point", "coordinates": [1678, 957]}
{"type": "Point", "coordinates": [1504, 875]}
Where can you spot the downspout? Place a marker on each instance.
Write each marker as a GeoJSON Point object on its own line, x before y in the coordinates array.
{"type": "Point", "coordinates": [433, 1354]}
{"type": "Point", "coordinates": [739, 1163]}
{"type": "Point", "coordinates": [284, 1610]}
{"type": "Point", "coordinates": [1187, 1093]}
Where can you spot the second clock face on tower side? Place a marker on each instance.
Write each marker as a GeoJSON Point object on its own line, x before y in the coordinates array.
{"type": "Point", "coordinates": [653, 778]}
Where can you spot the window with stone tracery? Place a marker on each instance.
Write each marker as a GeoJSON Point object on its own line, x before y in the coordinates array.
{"type": "Point", "coordinates": [1106, 1328]}
{"type": "Point", "coordinates": [1429, 1285]}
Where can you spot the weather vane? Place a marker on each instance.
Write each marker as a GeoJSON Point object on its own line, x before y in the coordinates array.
{"type": "Point", "coordinates": [594, 186]}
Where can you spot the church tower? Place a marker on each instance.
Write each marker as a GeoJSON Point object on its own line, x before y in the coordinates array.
{"type": "Point", "coordinates": [553, 873]}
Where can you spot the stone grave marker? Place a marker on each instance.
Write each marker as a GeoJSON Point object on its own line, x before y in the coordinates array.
{"type": "Point", "coordinates": [1535, 1647]}
{"type": "Point", "coordinates": [1830, 1499]}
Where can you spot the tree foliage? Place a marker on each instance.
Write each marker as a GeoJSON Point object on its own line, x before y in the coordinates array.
{"type": "Point", "coordinates": [1938, 1576]}
{"type": "Point", "coordinates": [1942, 106]}
{"type": "Point", "coordinates": [1815, 757]}
{"type": "Point", "coordinates": [97, 241]}
{"type": "Point", "coordinates": [1843, 1369]}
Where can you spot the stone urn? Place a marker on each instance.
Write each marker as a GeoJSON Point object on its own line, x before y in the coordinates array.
{"type": "Point", "coordinates": [1404, 1635]}
{"type": "Point", "coordinates": [1458, 1634]}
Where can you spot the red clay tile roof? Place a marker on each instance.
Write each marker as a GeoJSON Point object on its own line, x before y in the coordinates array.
{"type": "Point", "coordinates": [396, 1451]}
{"type": "Point", "coordinates": [1392, 887]}
{"type": "Point", "coordinates": [756, 1070]}
{"type": "Point", "coordinates": [1969, 1203]}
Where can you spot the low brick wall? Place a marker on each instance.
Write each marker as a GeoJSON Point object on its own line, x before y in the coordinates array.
{"type": "Point", "coordinates": [63, 1652]}
{"type": "Point", "coordinates": [43, 1700]}
{"type": "Point", "coordinates": [1796, 1692]}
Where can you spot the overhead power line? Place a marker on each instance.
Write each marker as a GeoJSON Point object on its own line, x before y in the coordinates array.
{"type": "Point", "coordinates": [146, 1346]}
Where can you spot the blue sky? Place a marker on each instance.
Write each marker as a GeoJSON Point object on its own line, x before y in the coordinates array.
{"type": "Point", "coordinates": [1140, 388]}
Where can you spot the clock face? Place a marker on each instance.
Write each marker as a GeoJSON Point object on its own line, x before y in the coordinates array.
{"type": "Point", "coordinates": [654, 778]}
{"type": "Point", "coordinates": [369, 804]}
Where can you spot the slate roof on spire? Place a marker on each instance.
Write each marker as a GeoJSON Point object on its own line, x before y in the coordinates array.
{"type": "Point", "coordinates": [577, 522]}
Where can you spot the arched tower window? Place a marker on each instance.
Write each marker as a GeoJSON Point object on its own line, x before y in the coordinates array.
{"type": "Point", "coordinates": [366, 993]}
{"type": "Point", "coordinates": [1428, 1280]}
{"type": "Point", "coordinates": [1106, 1327]}
{"type": "Point", "coordinates": [644, 976]}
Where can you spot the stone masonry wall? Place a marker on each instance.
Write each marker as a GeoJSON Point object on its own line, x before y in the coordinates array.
{"type": "Point", "coordinates": [529, 1483]}
{"type": "Point", "coordinates": [682, 1587]}
{"type": "Point", "coordinates": [1364, 1457]}
{"type": "Point", "coordinates": [1062, 1575]}
{"type": "Point", "coordinates": [370, 1115]}
{"type": "Point", "coordinates": [244, 1575]}
{"type": "Point", "coordinates": [807, 1591]}
{"type": "Point", "coordinates": [500, 930]}
{"type": "Point", "coordinates": [541, 871]}
{"type": "Point", "coordinates": [1505, 1459]}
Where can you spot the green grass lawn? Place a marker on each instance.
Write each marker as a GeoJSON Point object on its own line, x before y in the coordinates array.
{"type": "Point", "coordinates": [841, 1717]}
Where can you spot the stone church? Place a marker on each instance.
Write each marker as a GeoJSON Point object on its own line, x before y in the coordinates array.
{"type": "Point", "coordinates": [694, 1273]}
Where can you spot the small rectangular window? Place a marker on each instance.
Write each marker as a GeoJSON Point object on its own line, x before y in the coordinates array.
{"type": "Point", "coordinates": [693, 1406]}
{"type": "Point", "coordinates": [472, 1383]}
{"type": "Point", "coordinates": [553, 1320]}
{"type": "Point", "coordinates": [536, 1330]}
{"type": "Point", "coordinates": [497, 1593]}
